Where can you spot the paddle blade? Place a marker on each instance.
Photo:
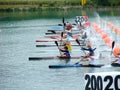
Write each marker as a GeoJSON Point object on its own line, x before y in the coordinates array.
{"type": "Point", "coordinates": [60, 25]}
{"type": "Point", "coordinates": [56, 43]}
{"type": "Point", "coordinates": [77, 41]}
{"type": "Point", "coordinates": [53, 31]}
{"type": "Point", "coordinates": [63, 20]}
{"type": "Point", "coordinates": [61, 34]}
{"type": "Point", "coordinates": [85, 35]}
{"type": "Point", "coordinates": [113, 44]}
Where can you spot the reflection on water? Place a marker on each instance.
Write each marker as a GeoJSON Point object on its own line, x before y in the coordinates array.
{"type": "Point", "coordinates": [52, 13]}
{"type": "Point", "coordinates": [18, 32]}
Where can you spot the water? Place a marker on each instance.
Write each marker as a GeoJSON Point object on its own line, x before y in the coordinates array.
{"type": "Point", "coordinates": [18, 32]}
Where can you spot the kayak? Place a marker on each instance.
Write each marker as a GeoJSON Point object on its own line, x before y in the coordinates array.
{"type": "Point", "coordinates": [75, 65]}
{"type": "Point", "coordinates": [54, 40]}
{"type": "Point", "coordinates": [58, 36]}
{"type": "Point", "coordinates": [55, 45]}
{"type": "Point", "coordinates": [53, 57]}
{"type": "Point", "coordinates": [54, 32]}
{"type": "Point", "coordinates": [115, 64]}
{"type": "Point", "coordinates": [59, 30]}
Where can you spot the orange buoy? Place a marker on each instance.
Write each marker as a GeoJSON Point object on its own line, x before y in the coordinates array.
{"type": "Point", "coordinates": [107, 40]}
{"type": "Point", "coordinates": [114, 29]}
{"type": "Point", "coordinates": [100, 31]}
{"type": "Point", "coordinates": [104, 35]}
{"type": "Point", "coordinates": [97, 29]}
{"type": "Point", "coordinates": [118, 31]}
{"type": "Point", "coordinates": [116, 50]}
{"type": "Point", "coordinates": [109, 23]}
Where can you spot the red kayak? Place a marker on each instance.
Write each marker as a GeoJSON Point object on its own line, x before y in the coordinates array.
{"type": "Point", "coordinates": [53, 40]}
{"type": "Point", "coordinates": [53, 57]}
{"type": "Point", "coordinates": [58, 36]}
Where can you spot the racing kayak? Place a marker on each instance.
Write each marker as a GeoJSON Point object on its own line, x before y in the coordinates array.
{"type": "Point", "coordinates": [75, 65]}
{"type": "Point", "coordinates": [53, 57]}
{"type": "Point", "coordinates": [55, 45]}
{"type": "Point", "coordinates": [54, 40]}
{"type": "Point", "coordinates": [54, 32]}
{"type": "Point", "coordinates": [58, 36]}
{"type": "Point", "coordinates": [115, 64]}
{"type": "Point", "coordinates": [59, 30]}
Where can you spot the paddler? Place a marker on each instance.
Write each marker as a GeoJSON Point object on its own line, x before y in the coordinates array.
{"type": "Point", "coordinates": [66, 53]}
{"type": "Point", "coordinates": [80, 26]}
{"type": "Point", "coordinates": [68, 29]}
{"type": "Point", "coordinates": [117, 61]}
{"type": "Point", "coordinates": [90, 56]}
{"type": "Point", "coordinates": [82, 34]}
{"type": "Point", "coordinates": [67, 44]}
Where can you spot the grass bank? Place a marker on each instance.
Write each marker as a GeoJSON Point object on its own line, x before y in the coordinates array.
{"type": "Point", "coordinates": [11, 5]}
{"type": "Point", "coordinates": [5, 4]}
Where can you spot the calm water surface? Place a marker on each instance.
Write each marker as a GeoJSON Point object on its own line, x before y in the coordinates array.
{"type": "Point", "coordinates": [18, 32]}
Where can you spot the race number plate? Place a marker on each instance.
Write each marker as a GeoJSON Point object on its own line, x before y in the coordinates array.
{"type": "Point", "coordinates": [81, 19]}
{"type": "Point", "coordinates": [102, 81]}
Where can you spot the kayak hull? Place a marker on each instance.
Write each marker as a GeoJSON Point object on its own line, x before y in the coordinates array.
{"type": "Point", "coordinates": [55, 45]}
{"type": "Point", "coordinates": [74, 65]}
{"type": "Point", "coordinates": [53, 57]}
{"type": "Point", "coordinates": [115, 65]}
{"type": "Point", "coordinates": [54, 40]}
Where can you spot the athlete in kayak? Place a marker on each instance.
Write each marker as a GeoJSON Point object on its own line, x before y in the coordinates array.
{"type": "Point", "coordinates": [66, 53]}
{"type": "Point", "coordinates": [68, 45]}
{"type": "Point", "coordinates": [89, 57]}
{"type": "Point", "coordinates": [82, 36]}
{"type": "Point", "coordinates": [68, 29]}
{"type": "Point", "coordinates": [116, 63]}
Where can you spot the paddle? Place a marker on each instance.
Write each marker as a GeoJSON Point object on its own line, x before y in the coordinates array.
{"type": "Point", "coordinates": [50, 33]}
{"type": "Point", "coordinates": [113, 44]}
{"type": "Point", "coordinates": [60, 25]}
{"type": "Point", "coordinates": [57, 46]}
{"type": "Point", "coordinates": [80, 45]}
{"type": "Point", "coordinates": [79, 61]}
{"type": "Point", "coordinates": [61, 35]}
{"type": "Point", "coordinates": [78, 42]}
{"type": "Point", "coordinates": [85, 35]}
{"type": "Point", "coordinates": [82, 50]}
{"type": "Point", "coordinates": [64, 24]}
{"type": "Point", "coordinates": [61, 38]}
{"type": "Point", "coordinates": [53, 31]}
{"type": "Point", "coordinates": [109, 64]}
{"type": "Point", "coordinates": [63, 20]}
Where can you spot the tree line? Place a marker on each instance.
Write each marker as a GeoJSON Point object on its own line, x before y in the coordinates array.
{"type": "Point", "coordinates": [104, 2]}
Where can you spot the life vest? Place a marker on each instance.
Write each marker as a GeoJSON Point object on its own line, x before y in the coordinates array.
{"type": "Point", "coordinates": [69, 47]}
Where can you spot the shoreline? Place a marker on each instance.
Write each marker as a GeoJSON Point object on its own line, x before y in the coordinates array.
{"type": "Point", "coordinates": [37, 7]}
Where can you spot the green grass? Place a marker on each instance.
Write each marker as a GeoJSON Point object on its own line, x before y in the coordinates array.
{"type": "Point", "coordinates": [38, 3]}
{"type": "Point", "coordinates": [9, 4]}
{"type": "Point", "coordinates": [116, 2]}
{"type": "Point", "coordinates": [49, 3]}
{"type": "Point", "coordinates": [60, 2]}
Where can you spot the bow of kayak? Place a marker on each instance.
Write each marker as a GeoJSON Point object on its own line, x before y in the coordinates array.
{"type": "Point", "coordinates": [74, 65]}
